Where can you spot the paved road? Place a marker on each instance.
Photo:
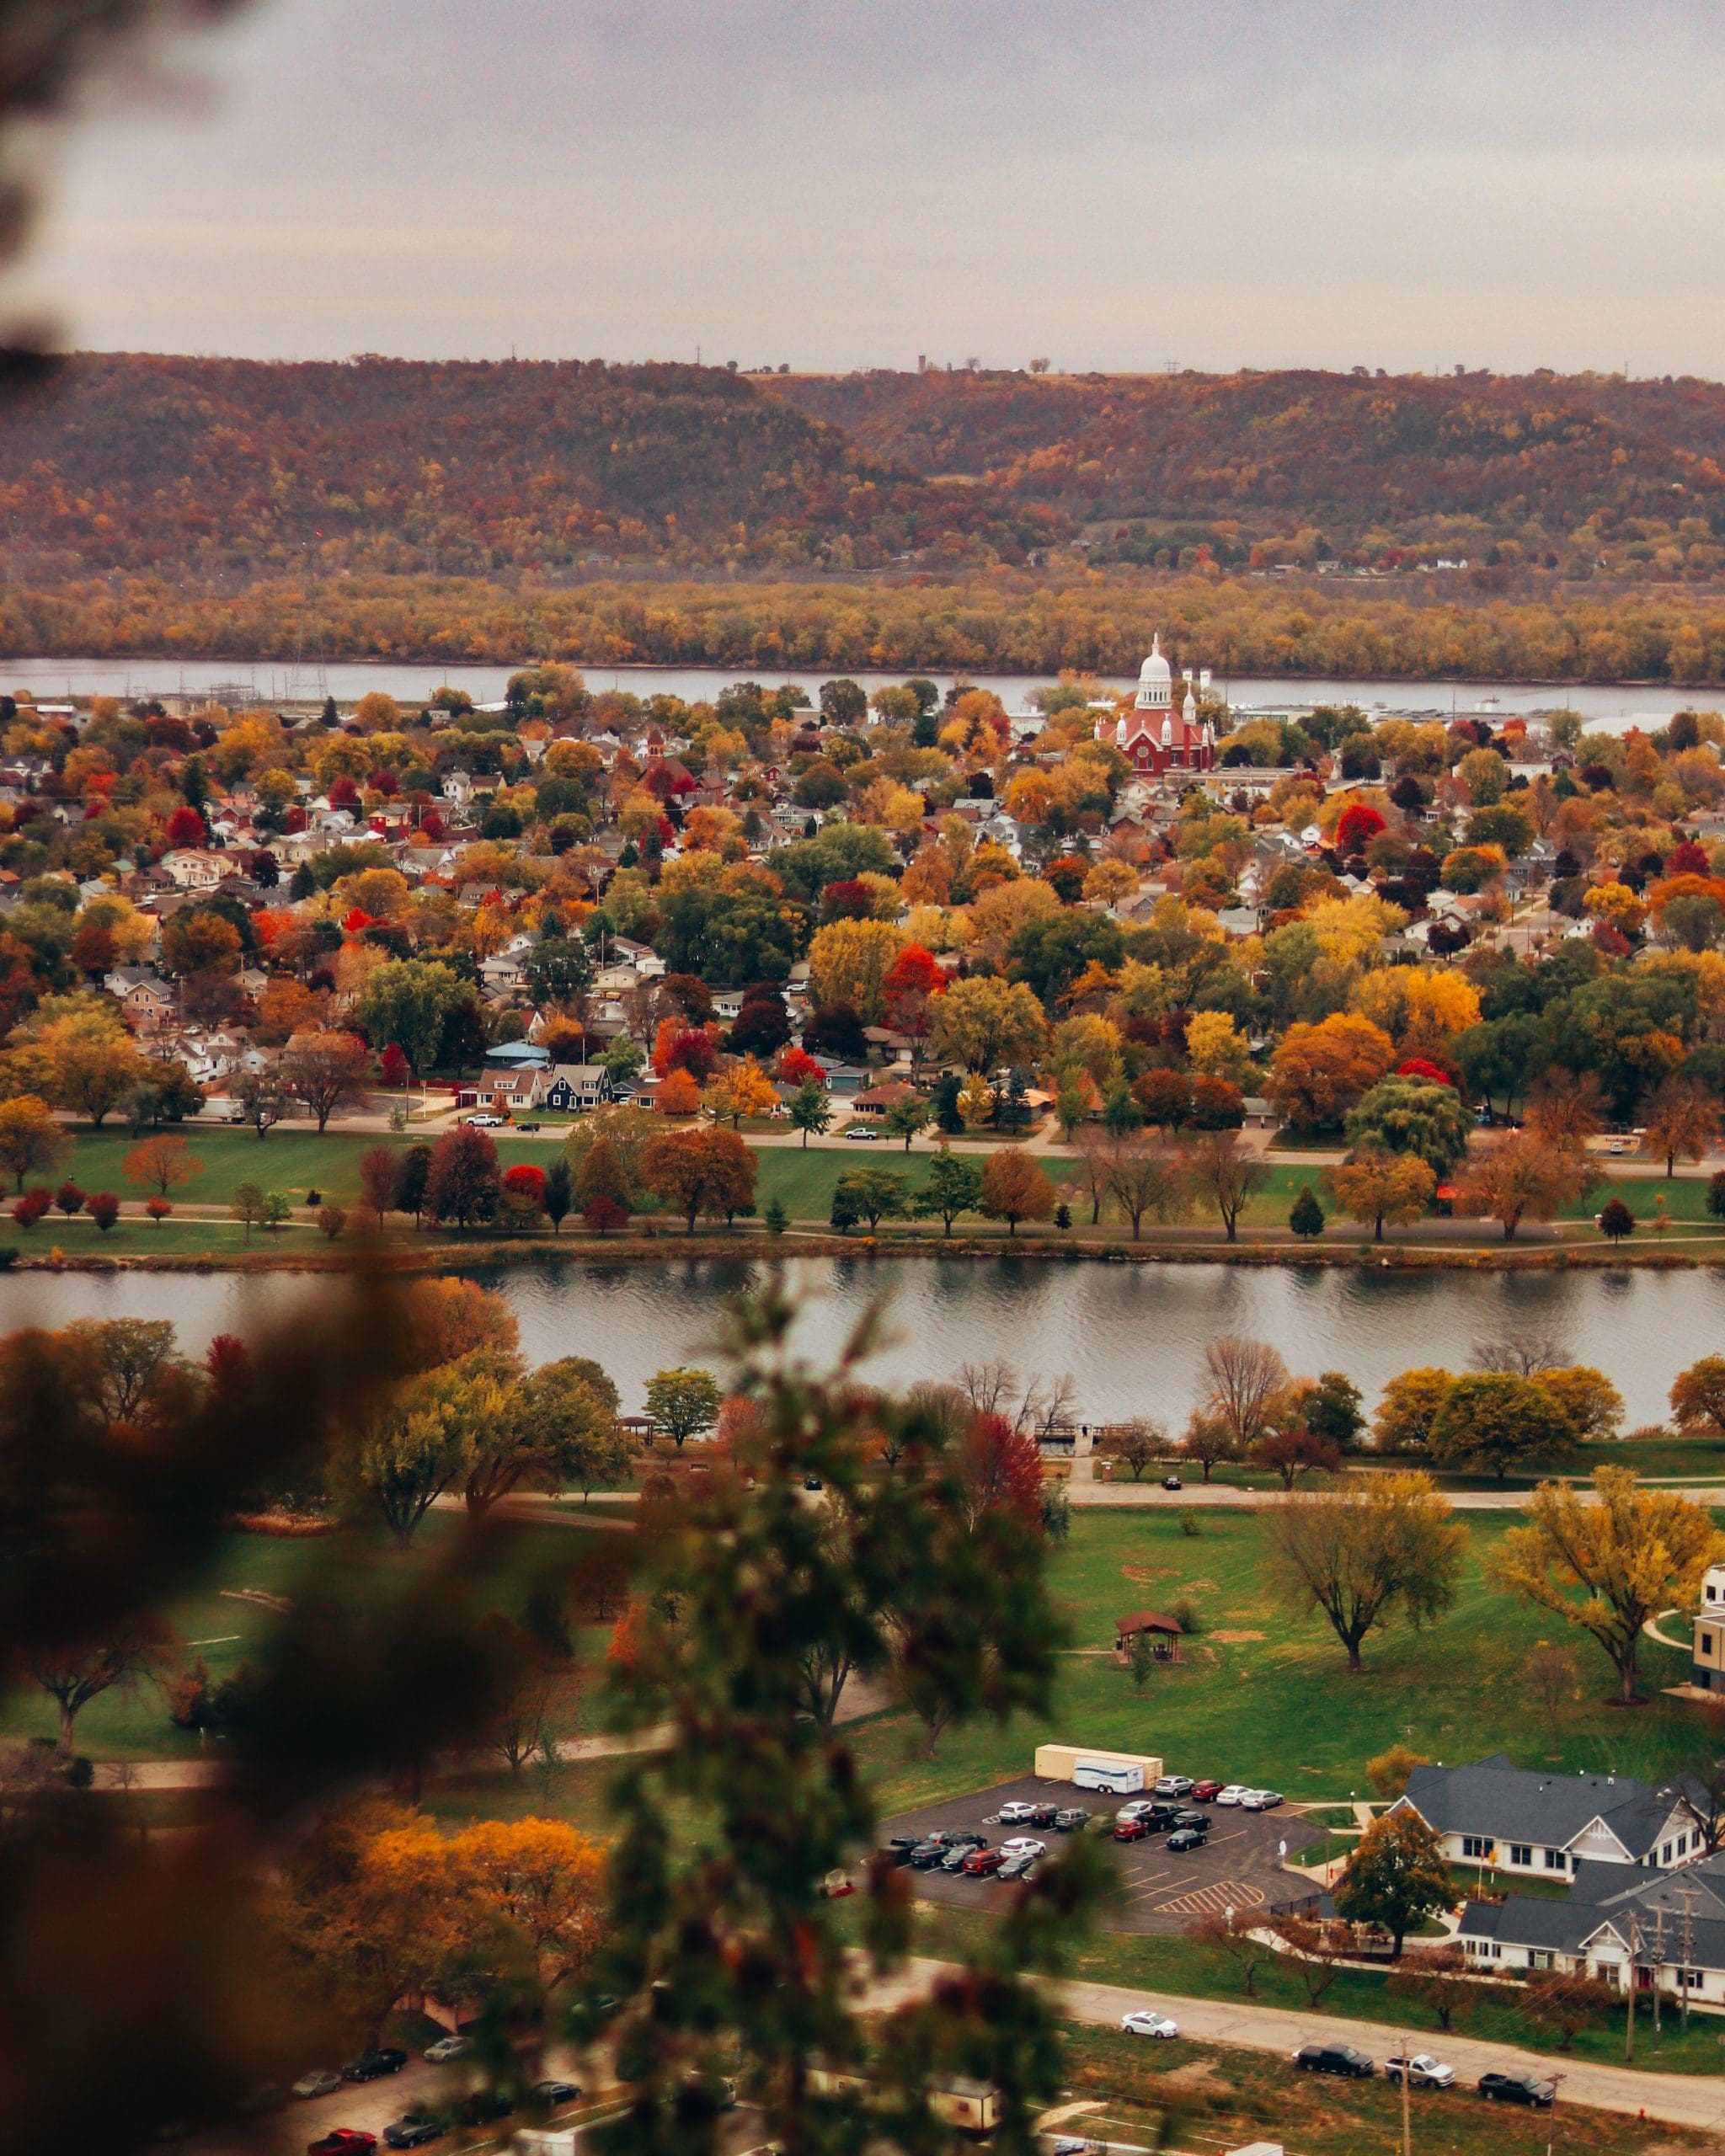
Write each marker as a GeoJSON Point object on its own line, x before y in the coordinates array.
{"type": "Point", "coordinates": [1675, 2098]}
{"type": "Point", "coordinates": [1081, 1490]}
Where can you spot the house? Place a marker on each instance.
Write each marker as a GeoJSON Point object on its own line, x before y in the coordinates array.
{"type": "Point", "coordinates": [145, 998]}
{"type": "Point", "coordinates": [501, 973]}
{"type": "Point", "coordinates": [1515, 1819]}
{"type": "Point", "coordinates": [1163, 1632]}
{"type": "Point", "coordinates": [193, 869]}
{"type": "Point", "coordinates": [1669, 1928]}
{"type": "Point", "coordinates": [576, 1088]}
{"type": "Point", "coordinates": [1708, 1654]}
{"type": "Point", "coordinates": [875, 1100]}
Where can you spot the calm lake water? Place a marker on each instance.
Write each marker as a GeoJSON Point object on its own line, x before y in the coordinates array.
{"type": "Point", "coordinates": [268, 680]}
{"type": "Point", "coordinates": [1132, 1337]}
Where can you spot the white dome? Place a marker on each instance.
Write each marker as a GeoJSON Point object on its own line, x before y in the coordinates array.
{"type": "Point", "coordinates": [1155, 668]}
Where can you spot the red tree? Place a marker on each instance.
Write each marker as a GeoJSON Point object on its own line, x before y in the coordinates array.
{"type": "Point", "coordinates": [31, 1208]}
{"type": "Point", "coordinates": [185, 827]}
{"type": "Point", "coordinates": [912, 982]}
{"type": "Point", "coordinates": [1430, 1073]}
{"type": "Point", "coordinates": [1001, 1470]}
{"type": "Point", "coordinates": [1360, 826]}
{"type": "Point", "coordinates": [103, 1208]}
{"type": "Point", "coordinates": [526, 1181]}
{"type": "Point", "coordinates": [795, 1068]}
{"type": "Point", "coordinates": [394, 1067]}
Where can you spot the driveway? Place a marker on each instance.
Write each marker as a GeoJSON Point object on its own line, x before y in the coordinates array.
{"type": "Point", "coordinates": [1239, 1868]}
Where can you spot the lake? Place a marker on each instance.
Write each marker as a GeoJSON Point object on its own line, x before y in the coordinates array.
{"type": "Point", "coordinates": [1607, 704]}
{"type": "Point", "coordinates": [1131, 1337]}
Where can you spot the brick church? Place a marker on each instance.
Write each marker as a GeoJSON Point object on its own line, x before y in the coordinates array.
{"type": "Point", "coordinates": [1154, 737]}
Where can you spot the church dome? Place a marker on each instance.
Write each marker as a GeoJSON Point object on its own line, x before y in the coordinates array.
{"type": "Point", "coordinates": [1156, 677]}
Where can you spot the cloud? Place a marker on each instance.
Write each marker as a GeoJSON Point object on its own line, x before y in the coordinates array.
{"type": "Point", "coordinates": [847, 182]}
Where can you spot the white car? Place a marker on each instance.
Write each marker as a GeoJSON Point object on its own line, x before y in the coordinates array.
{"type": "Point", "coordinates": [866, 1132]}
{"type": "Point", "coordinates": [485, 1123]}
{"type": "Point", "coordinates": [1260, 1800]}
{"type": "Point", "coordinates": [1023, 1845]}
{"type": "Point", "coordinates": [1136, 1809]}
{"type": "Point", "coordinates": [1235, 1793]}
{"type": "Point", "coordinates": [448, 2047]}
{"type": "Point", "coordinates": [1147, 2024]}
{"type": "Point", "coordinates": [1424, 2071]}
{"type": "Point", "coordinates": [1017, 1812]}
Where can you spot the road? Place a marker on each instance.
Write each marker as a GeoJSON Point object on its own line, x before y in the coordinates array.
{"type": "Point", "coordinates": [1083, 1489]}
{"type": "Point", "coordinates": [1674, 2099]}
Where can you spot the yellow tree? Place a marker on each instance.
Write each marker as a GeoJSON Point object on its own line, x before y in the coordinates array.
{"type": "Point", "coordinates": [1215, 1048]}
{"type": "Point", "coordinates": [1608, 1567]}
{"type": "Point", "coordinates": [1376, 1186]}
{"type": "Point", "coordinates": [985, 1022]}
{"type": "Point", "coordinates": [31, 1141]}
{"type": "Point", "coordinates": [849, 961]}
{"type": "Point", "coordinates": [546, 1880]}
{"type": "Point", "coordinates": [1682, 1118]}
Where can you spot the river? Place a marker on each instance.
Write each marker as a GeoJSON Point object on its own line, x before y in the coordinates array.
{"type": "Point", "coordinates": [1131, 1337]}
{"type": "Point", "coordinates": [1612, 705]}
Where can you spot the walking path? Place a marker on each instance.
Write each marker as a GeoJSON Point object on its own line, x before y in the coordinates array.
{"type": "Point", "coordinates": [1676, 2099]}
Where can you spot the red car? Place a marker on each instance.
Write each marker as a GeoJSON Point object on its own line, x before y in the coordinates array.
{"type": "Point", "coordinates": [1131, 1830]}
{"type": "Point", "coordinates": [982, 1862]}
{"type": "Point", "coordinates": [1205, 1792]}
{"type": "Point", "coordinates": [344, 2141]}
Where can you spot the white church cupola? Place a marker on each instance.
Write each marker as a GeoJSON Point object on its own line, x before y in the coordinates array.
{"type": "Point", "coordinates": [1156, 677]}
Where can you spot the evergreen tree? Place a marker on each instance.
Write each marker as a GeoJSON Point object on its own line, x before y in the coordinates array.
{"type": "Point", "coordinates": [1306, 1219]}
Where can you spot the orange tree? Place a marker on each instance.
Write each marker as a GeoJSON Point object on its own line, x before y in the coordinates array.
{"type": "Point", "coordinates": [1520, 1177]}
{"type": "Point", "coordinates": [696, 1171]}
{"type": "Point", "coordinates": [1319, 1072]}
{"type": "Point", "coordinates": [1014, 1188]}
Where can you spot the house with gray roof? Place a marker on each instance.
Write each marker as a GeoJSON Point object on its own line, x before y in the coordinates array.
{"type": "Point", "coordinates": [1517, 1819]}
{"type": "Point", "coordinates": [1668, 1927]}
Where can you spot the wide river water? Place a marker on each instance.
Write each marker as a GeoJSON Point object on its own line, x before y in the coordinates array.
{"type": "Point", "coordinates": [1609, 705]}
{"type": "Point", "coordinates": [1131, 1337]}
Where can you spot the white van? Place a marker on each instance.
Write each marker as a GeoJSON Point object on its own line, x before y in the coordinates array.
{"type": "Point", "coordinates": [1108, 1777]}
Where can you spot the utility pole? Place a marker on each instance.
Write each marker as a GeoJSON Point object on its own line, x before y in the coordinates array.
{"type": "Point", "coordinates": [1659, 1963]}
{"type": "Point", "coordinates": [1685, 1894]}
{"type": "Point", "coordinates": [1629, 2018]}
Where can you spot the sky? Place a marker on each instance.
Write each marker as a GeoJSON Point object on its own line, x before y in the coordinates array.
{"type": "Point", "coordinates": [834, 184]}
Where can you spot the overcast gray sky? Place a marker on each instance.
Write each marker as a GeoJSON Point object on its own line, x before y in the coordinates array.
{"type": "Point", "coordinates": [837, 182]}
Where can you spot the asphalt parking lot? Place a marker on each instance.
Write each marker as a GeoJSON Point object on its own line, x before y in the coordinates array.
{"type": "Point", "coordinates": [1240, 1866]}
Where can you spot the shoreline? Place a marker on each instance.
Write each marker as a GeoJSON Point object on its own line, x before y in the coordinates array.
{"type": "Point", "coordinates": [446, 1256]}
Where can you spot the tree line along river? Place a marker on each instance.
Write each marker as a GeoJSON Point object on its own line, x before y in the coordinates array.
{"type": "Point", "coordinates": [1132, 1338]}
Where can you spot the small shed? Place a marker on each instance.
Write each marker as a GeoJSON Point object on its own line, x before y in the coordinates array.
{"type": "Point", "coordinates": [1164, 1632]}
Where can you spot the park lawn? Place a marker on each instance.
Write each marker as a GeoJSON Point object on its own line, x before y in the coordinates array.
{"type": "Point", "coordinates": [1212, 2096]}
{"type": "Point", "coordinates": [1264, 1696]}
{"type": "Point", "coordinates": [134, 1236]}
{"type": "Point", "coordinates": [211, 1624]}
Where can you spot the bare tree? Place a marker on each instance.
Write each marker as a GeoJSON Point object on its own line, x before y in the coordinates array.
{"type": "Point", "coordinates": [1317, 1953]}
{"type": "Point", "coordinates": [1437, 1978]}
{"type": "Point", "coordinates": [992, 1388]}
{"type": "Point", "coordinates": [1553, 1677]}
{"type": "Point", "coordinates": [1565, 1110]}
{"type": "Point", "coordinates": [1209, 1441]}
{"type": "Point", "coordinates": [1243, 1379]}
{"type": "Point", "coordinates": [1093, 1149]}
{"type": "Point", "coordinates": [1138, 1444]}
{"type": "Point", "coordinates": [1046, 1409]}
{"type": "Point", "coordinates": [1234, 1934]}
{"type": "Point", "coordinates": [1520, 1354]}
{"type": "Point", "coordinates": [1225, 1176]}
{"type": "Point", "coordinates": [1145, 1177]}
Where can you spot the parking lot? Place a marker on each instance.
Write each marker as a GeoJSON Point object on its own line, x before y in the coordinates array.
{"type": "Point", "coordinates": [1239, 1867]}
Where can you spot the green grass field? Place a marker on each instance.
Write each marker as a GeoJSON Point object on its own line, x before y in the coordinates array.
{"type": "Point", "coordinates": [1265, 1696]}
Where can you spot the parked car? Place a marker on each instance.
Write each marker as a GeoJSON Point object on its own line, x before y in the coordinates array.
{"type": "Point", "coordinates": [1069, 1820]}
{"type": "Point", "coordinates": [1144, 2023]}
{"type": "Point", "coordinates": [1230, 1793]}
{"type": "Point", "coordinates": [1137, 1808]}
{"type": "Point", "coordinates": [1187, 1838]}
{"type": "Point", "coordinates": [1333, 2058]}
{"type": "Point", "coordinates": [554, 2092]}
{"type": "Point", "coordinates": [1131, 1830]}
{"type": "Point", "coordinates": [343, 2141]}
{"type": "Point", "coordinates": [961, 1838]}
{"type": "Point", "coordinates": [1044, 1815]}
{"type": "Point", "coordinates": [321, 2081]}
{"type": "Point", "coordinates": [862, 1133]}
{"type": "Point", "coordinates": [982, 1864]}
{"type": "Point", "coordinates": [1260, 1800]}
{"type": "Point", "coordinates": [373, 2066]}
{"type": "Point", "coordinates": [1017, 1866]}
{"type": "Point", "coordinates": [1198, 1819]}
{"type": "Point", "coordinates": [926, 1855]}
{"type": "Point", "coordinates": [483, 2107]}
{"type": "Point", "coordinates": [1018, 1813]}
{"type": "Point", "coordinates": [813, 1482]}
{"type": "Point", "coordinates": [1423, 2071]}
{"type": "Point", "coordinates": [899, 1850]}
{"type": "Point", "coordinates": [413, 2133]}
{"type": "Point", "coordinates": [1205, 1792]}
{"type": "Point", "coordinates": [448, 2047]}
{"type": "Point", "coordinates": [1023, 1845]}
{"type": "Point", "coordinates": [1173, 1785]}
{"type": "Point", "coordinates": [956, 1859]}
{"type": "Point", "coordinates": [1517, 2089]}
{"type": "Point", "coordinates": [1173, 1482]}
{"type": "Point", "coordinates": [482, 1123]}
